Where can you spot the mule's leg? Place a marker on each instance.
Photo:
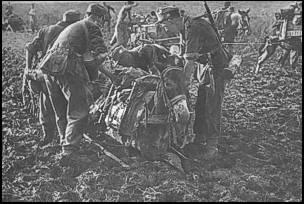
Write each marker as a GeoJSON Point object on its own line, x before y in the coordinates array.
{"type": "Point", "coordinates": [294, 56]}
{"type": "Point", "coordinates": [266, 52]}
{"type": "Point", "coordinates": [283, 58]}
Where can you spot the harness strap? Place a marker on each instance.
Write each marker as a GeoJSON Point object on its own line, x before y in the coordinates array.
{"type": "Point", "coordinates": [177, 99]}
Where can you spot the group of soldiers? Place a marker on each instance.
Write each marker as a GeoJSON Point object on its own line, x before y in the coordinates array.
{"type": "Point", "coordinates": [70, 55]}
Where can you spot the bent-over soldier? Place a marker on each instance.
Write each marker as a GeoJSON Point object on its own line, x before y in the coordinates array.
{"type": "Point", "coordinates": [39, 45]}
{"type": "Point", "coordinates": [67, 78]}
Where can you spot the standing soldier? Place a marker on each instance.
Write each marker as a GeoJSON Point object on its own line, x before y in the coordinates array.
{"type": "Point", "coordinates": [122, 32]}
{"type": "Point", "coordinates": [67, 78]}
{"type": "Point", "coordinates": [41, 43]}
{"type": "Point", "coordinates": [33, 18]}
{"type": "Point", "coordinates": [8, 10]}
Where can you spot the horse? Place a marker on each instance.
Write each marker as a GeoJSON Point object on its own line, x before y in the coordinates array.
{"type": "Point", "coordinates": [232, 24]}
{"type": "Point", "coordinates": [291, 46]}
{"type": "Point", "coordinates": [153, 116]}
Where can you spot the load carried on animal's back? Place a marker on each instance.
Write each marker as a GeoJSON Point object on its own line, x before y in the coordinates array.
{"type": "Point", "coordinates": [292, 23]}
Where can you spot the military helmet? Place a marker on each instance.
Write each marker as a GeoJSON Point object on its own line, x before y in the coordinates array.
{"type": "Point", "coordinates": [227, 3]}
{"type": "Point", "coordinates": [71, 16]}
{"type": "Point", "coordinates": [167, 12]}
{"type": "Point", "coordinates": [97, 9]}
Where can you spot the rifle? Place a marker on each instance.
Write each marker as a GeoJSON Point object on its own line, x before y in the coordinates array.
{"type": "Point", "coordinates": [25, 82]}
{"type": "Point", "coordinates": [211, 19]}
{"type": "Point", "coordinates": [105, 105]}
{"type": "Point", "coordinates": [215, 29]}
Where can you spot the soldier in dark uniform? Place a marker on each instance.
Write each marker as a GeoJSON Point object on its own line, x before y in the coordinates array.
{"type": "Point", "coordinates": [67, 78]}
{"type": "Point", "coordinates": [39, 45]}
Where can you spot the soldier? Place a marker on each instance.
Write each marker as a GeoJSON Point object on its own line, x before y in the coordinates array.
{"type": "Point", "coordinates": [33, 18]}
{"type": "Point", "coordinates": [276, 25]}
{"type": "Point", "coordinates": [122, 33]}
{"type": "Point", "coordinates": [67, 78]}
{"type": "Point", "coordinates": [8, 10]}
{"type": "Point", "coordinates": [41, 43]}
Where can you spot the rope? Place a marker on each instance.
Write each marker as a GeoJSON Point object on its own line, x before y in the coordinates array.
{"type": "Point", "coordinates": [258, 43]}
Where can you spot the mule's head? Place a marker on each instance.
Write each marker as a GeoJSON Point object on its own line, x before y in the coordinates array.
{"type": "Point", "coordinates": [245, 21]}
{"type": "Point", "coordinates": [171, 86]}
{"type": "Point", "coordinates": [174, 82]}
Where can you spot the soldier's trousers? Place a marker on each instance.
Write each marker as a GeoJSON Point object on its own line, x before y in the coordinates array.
{"type": "Point", "coordinates": [47, 117]}
{"type": "Point", "coordinates": [46, 112]}
{"type": "Point", "coordinates": [208, 110]}
{"type": "Point", "coordinates": [71, 98]}
{"type": "Point", "coordinates": [206, 103]}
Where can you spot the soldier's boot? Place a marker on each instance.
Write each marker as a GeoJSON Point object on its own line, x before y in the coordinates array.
{"type": "Point", "coordinates": [211, 149]}
{"type": "Point", "coordinates": [49, 134]}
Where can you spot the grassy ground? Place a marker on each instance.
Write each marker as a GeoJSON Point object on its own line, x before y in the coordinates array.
{"type": "Point", "coordinates": [260, 148]}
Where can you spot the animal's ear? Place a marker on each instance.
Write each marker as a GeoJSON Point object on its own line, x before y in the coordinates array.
{"type": "Point", "coordinates": [239, 11]}
{"type": "Point", "coordinates": [248, 10]}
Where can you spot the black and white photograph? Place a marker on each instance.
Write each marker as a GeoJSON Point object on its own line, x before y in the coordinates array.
{"type": "Point", "coordinates": [151, 101]}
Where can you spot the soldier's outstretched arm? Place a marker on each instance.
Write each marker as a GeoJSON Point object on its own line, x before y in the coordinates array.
{"type": "Point", "coordinates": [100, 50]}
{"type": "Point", "coordinates": [33, 47]}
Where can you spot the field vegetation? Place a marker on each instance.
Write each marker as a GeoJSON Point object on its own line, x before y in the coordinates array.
{"type": "Point", "coordinates": [260, 147]}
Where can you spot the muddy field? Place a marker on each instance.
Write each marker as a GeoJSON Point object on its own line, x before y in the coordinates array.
{"type": "Point", "coordinates": [260, 149]}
